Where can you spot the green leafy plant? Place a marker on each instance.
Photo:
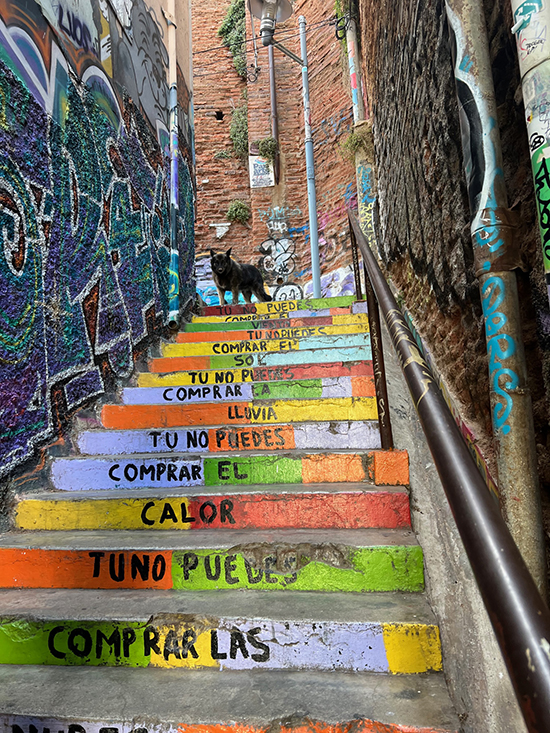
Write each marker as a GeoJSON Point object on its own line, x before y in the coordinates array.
{"type": "Point", "coordinates": [238, 131]}
{"type": "Point", "coordinates": [232, 33]}
{"type": "Point", "coordinates": [268, 148]}
{"type": "Point", "coordinates": [222, 154]}
{"type": "Point", "coordinates": [238, 211]}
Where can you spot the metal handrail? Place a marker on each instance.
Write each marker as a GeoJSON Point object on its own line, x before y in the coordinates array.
{"type": "Point", "coordinates": [520, 618]}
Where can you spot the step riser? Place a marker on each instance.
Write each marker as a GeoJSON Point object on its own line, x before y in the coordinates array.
{"type": "Point", "coordinates": [342, 387]}
{"type": "Point", "coordinates": [361, 570]}
{"type": "Point", "coordinates": [355, 435]}
{"type": "Point", "coordinates": [25, 724]}
{"type": "Point", "coordinates": [265, 359]}
{"type": "Point", "coordinates": [279, 306]}
{"type": "Point", "coordinates": [289, 322]}
{"type": "Point", "coordinates": [346, 510]}
{"type": "Point", "coordinates": [225, 644]}
{"type": "Point", "coordinates": [145, 472]}
{"type": "Point", "coordinates": [297, 333]}
{"type": "Point", "coordinates": [124, 417]}
{"type": "Point", "coordinates": [266, 346]}
{"type": "Point", "coordinates": [259, 374]}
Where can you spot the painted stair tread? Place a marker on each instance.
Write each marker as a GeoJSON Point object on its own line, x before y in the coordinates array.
{"type": "Point", "coordinates": [320, 354]}
{"type": "Point", "coordinates": [75, 473]}
{"type": "Point", "coordinates": [279, 306]}
{"type": "Point", "coordinates": [319, 702]}
{"type": "Point", "coordinates": [357, 561]}
{"type": "Point", "coordinates": [259, 323]}
{"type": "Point", "coordinates": [304, 389]}
{"type": "Point", "coordinates": [237, 412]}
{"type": "Point", "coordinates": [257, 374]}
{"type": "Point", "coordinates": [270, 346]}
{"type": "Point", "coordinates": [334, 435]}
{"type": "Point", "coordinates": [359, 307]}
{"type": "Point", "coordinates": [345, 506]}
{"type": "Point", "coordinates": [271, 333]}
{"type": "Point", "coordinates": [246, 634]}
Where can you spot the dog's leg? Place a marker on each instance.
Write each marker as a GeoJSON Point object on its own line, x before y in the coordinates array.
{"type": "Point", "coordinates": [247, 295]}
{"type": "Point", "coordinates": [221, 296]}
{"type": "Point", "coordinates": [235, 294]}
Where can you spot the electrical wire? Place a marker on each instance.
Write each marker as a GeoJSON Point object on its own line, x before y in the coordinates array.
{"type": "Point", "coordinates": [314, 26]}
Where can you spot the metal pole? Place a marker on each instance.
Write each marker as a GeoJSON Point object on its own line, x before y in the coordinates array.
{"type": "Point", "coordinates": [520, 618]}
{"type": "Point", "coordinates": [274, 116]}
{"type": "Point", "coordinates": [354, 72]}
{"type": "Point", "coordinates": [531, 24]}
{"type": "Point", "coordinates": [174, 278]}
{"type": "Point", "coordinates": [310, 168]}
{"type": "Point", "coordinates": [496, 255]}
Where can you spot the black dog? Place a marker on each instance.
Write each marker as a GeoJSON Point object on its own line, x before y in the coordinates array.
{"type": "Point", "coordinates": [230, 275]}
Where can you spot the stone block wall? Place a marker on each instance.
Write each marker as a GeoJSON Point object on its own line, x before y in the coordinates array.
{"type": "Point", "coordinates": [424, 235]}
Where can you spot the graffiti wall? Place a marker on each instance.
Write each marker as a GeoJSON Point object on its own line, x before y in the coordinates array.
{"type": "Point", "coordinates": [84, 214]}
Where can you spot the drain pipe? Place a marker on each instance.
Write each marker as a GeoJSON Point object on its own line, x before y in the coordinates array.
{"type": "Point", "coordinates": [274, 116]}
{"type": "Point", "coordinates": [496, 255]}
{"type": "Point", "coordinates": [531, 25]}
{"type": "Point", "coordinates": [174, 278]}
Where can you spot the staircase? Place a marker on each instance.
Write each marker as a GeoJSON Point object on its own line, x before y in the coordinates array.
{"type": "Point", "coordinates": [226, 548]}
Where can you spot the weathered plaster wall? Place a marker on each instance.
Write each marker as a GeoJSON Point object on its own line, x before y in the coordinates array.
{"type": "Point", "coordinates": [84, 205]}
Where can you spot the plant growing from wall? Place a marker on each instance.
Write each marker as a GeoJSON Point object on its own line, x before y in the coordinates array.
{"type": "Point", "coordinates": [354, 142]}
{"type": "Point", "coordinates": [232, 33]}
{"type": "Point", "coordinates": [238, 131]}
{"type": "Point", "coordinates": [222, 154]}
{"type": "Point", "coordinates": [238, 211]}
{"type": "Point", "coordinates": [268, 148]}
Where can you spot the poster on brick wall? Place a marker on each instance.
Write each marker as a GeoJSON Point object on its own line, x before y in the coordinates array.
{"type": "Point", "coordinates": [261, 172]}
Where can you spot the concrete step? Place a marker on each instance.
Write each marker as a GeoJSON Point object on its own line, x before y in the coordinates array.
{"type": "Point", "coordinates": [381, 468]}
{"type": "Point", "coordinates": [304, 389]}
{"type": "Point", "coordinates": [110, 700]}
{"type": "Point", "coordinates": [260, 323]}
{"type": "Point", "coordinates": [271, 347]}
{"type": "Point", "coordinates": [271, 333]}
{"type": "Point", "coordinates": [236, 412]}
{"type": "Point", "coordinates": [258, 374]}
{"type": "Point", "coordinates": [320, 354]}
{"type": "Point", "coordinates": [276, 308]}
{"type": "Point", "coordinates": [391, 633]}
{"type": "Point", "coordinates": [329, 506]}
{"type": "Point", "coordinates": [335, 435]}
{"type": "Point", "coordinates": [353, 561]}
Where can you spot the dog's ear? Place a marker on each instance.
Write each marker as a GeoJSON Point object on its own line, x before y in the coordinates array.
{"type": "Point", "coordinates": [212, 253]}
{"type": "Point", "coordinates": [228, 253]}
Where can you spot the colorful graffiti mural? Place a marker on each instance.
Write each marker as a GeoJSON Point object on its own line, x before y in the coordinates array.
{"type": "Point", "coordinates": [84, 227]}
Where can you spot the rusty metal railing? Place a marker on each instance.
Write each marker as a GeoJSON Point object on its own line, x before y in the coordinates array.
{"type": "Point", "coordinates": [520, 618]}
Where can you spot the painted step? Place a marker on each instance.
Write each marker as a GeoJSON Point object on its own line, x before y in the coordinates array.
{"type": "Point", "coordinates": [304, 389]}
{"type": "Point", "coordinates": [271, 333]}
{"type": "Point", "coordinates": [262, 323]}
{"type": "Point", "coordinates": [279, 306]}
{"type": "Point", "coordinates": [273, 346]}
{"type": "Point", "coordinates": [344, 435]}
{"type": "Point", "coordinates": [123, 417]}
{"type": "Point", "coordinates": [254, 701]}
{"type": "Point", "coordinates": [395, 635]}
{"type": "Point", "coordinates": [353, 561]}
{"type": "Point", "coordinates": [331, 506]}
{"type": "Point", "coordinates": [282, 359]}
{"type": "Point", "coordinates": [120, 472]}
{"type": "Point", "coordinates": [258, 374]}
{"type": "Point", "coordinates": [359, 307]}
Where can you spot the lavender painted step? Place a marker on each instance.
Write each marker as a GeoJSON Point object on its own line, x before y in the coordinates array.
{"type": "Point", "coordinates": [327, 387]}
{"type": "Point", "coordinates": [345, 435]}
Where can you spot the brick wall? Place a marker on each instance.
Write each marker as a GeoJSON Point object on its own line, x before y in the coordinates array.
{"type": "Point", "coordinates": [278, 240]}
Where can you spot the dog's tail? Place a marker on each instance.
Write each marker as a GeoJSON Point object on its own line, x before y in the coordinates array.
{"type": "Point", "coordinates": [262, 296]}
